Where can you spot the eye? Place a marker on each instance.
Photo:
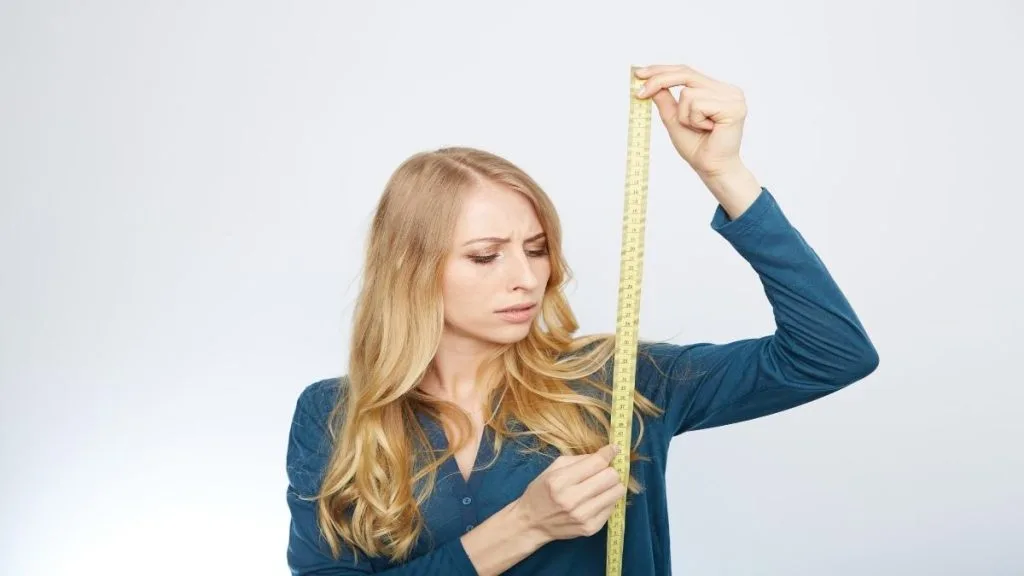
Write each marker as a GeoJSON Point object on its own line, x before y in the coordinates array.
{"type": "Point", "coordinates": [538, 252]}
{"type": "Point", "coordinates": [483, 259]}
{"type": "Point", "coordinates": [535, 253]}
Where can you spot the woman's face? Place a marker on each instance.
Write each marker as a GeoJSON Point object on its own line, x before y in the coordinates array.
{"type": "Point", "coordinates": [499, 260]}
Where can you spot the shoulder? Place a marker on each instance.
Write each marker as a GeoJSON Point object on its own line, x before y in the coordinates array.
{"type": "Point", "coordinates": [311, 436]}
{"type": "Point", "coordinates": [315, 404]}
{"type": "Point", "coordinates": [321, 396]}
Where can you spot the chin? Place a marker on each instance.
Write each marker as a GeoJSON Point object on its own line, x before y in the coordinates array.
{"type": "Point", "coordinates": [499, 334]}
{"type": "Point", "coordinates": [509, 334]}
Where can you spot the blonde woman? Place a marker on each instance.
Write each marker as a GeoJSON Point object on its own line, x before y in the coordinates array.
{"type": "Point", "coordinates": [469, 435]}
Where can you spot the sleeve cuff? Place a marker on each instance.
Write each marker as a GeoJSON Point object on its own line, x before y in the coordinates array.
{"type": "Point", "coordinates": [762, 218]}
{"type": "Point", "coordinates": [462, 564]}
{"type": "Point", "coordinates": [753, 215]}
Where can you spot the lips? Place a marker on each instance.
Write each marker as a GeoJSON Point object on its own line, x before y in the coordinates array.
{"type": "Point", "coordinates": [517, 308]}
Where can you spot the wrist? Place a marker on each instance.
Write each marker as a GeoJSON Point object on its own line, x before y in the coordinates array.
{"type": "Point", "coordinates": [502, 540]}
{"type": "Point", "coordinates": [724, 169]}
{"type": "Point", "coordinates": [532, 535]}
{"type": "Point", "coordinates": [734, 186]}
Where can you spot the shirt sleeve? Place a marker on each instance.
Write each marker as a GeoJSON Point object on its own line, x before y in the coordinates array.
{"type": "Point", "coordinates": [818, 346]}
{"type": "Point", "coordinates": [308, 553]}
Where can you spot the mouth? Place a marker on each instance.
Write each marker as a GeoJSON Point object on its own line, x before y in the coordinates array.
{"type": "Point", "coordinates": [518, 308]}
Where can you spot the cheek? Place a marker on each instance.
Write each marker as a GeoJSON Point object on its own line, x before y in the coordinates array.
{"type": "Point", "coordinates": [542, 271]}
{"type": "Point", "coordinates": [464, 290]}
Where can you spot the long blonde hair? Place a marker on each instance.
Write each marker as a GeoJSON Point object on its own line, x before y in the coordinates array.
{"type": "Point", "coordinates": [367, 497]}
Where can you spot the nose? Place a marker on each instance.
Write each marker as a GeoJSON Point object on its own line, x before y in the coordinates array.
{"type": "Point", "coordinates": [521, 273]}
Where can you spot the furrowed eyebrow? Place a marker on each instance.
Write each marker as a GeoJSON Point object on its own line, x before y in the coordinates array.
{"type": "Point", "coordinates": [496, 240]}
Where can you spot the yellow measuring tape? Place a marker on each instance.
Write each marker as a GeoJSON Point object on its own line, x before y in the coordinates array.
{"type": "Point", "coordinates": [634, 217]}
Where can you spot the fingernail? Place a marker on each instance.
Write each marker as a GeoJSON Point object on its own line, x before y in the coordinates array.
{"type": "Point", "coordinates": [615, 449]}
{"type": "Point", "coordinates": [640, 90]}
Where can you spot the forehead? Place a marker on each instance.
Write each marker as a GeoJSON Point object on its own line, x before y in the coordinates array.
{"type": "Point", "coordinates": [495, 210]}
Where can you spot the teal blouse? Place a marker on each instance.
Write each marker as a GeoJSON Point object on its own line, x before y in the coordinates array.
{"type": "Point", "coordinates": [818, 347]}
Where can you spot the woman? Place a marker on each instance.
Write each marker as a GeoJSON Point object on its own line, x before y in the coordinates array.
{"type": "Point", "coordinates": [469, 435]}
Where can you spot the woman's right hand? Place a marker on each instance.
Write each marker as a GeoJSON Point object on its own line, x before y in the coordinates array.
{"type": "Point", "coordinates": [574, 496]}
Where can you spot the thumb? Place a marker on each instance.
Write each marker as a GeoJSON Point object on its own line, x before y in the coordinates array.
{"type": "Point", "coordinates": [668, 107]}
{"type": "Point", "coordinates": [608, 451]}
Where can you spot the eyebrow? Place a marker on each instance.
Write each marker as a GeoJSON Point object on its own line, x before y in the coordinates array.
{"type": "Point", "coordinates": [497, 240]}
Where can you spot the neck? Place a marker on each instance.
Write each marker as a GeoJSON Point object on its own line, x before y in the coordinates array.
{"type": "Point", "coordinates": [452, 374]}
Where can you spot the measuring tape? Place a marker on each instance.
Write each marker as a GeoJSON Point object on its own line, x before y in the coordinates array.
{"type": "Point", "coordinates": [630, 275]}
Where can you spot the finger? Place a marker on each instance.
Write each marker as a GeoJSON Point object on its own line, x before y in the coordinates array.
{"type": "Point", "coordinates": [563, 461]}
{"type": "Point", "coordinates": [590, 487]}
{"type": "Point", "coordinates": [667, 105]}
{"type": "Point", "coordinates": [690, 115]}
{"type": "Point", "coordinates": [603, 502]}
{"type": "Point", "coordinates": [644, 72]}
{"type": "Point", "coordinates": [672, 78]}
{"type": "Point", "coordinates": [587, 467]}
{"type": "Point", "coordinates": [717, 111]}
{"type": "Point", "coordinates": [701, 114]}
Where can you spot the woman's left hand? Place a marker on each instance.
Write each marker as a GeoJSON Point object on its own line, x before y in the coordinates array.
{"type": "Point", "coordinates": [705, 124]}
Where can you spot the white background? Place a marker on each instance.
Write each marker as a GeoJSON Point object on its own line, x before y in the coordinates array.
{"type": "Point", "coordinates": [186, 186]}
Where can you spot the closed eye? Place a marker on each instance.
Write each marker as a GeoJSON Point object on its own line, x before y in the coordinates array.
{"type": "Point", "coordinates": [537, 253]}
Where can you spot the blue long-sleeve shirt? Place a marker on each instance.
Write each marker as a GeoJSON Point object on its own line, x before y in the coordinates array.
{"type": "Point", "coordinates": [819, 346]}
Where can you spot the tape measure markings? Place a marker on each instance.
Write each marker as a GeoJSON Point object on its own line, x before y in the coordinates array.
{"type": "Point", "coordinates": [627, 319]}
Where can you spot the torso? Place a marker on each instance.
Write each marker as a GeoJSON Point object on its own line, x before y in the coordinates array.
{"type": "Point", "coordinates": [465, 457]}
{"type": "Point", "coordinates": [462, 498]}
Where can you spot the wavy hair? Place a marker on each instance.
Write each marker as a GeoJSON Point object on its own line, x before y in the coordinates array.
{"type": "Point", "coordinates": [550, 389]}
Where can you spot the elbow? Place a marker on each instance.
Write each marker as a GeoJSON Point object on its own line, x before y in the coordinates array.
{"type": "Point", "coordinates": [825, 364]}
{"type": "Point", "coordinates": [860, 364]}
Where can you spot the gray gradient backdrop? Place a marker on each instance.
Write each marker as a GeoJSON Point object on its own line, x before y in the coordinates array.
{"type": "Point", "coordinates": [186, 185]}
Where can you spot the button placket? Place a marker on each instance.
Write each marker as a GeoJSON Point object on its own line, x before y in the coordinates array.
{"type": "Point", "coordinates": [471, 489]}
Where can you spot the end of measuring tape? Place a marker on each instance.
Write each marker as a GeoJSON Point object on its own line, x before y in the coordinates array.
{"type": "Point", "coordinates": [634, 215]}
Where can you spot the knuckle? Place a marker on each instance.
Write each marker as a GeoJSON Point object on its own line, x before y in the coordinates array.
{"type": "Point", "coordinates": [560, 500]}
{"type": "Point", "coordinates": [551, 486]}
